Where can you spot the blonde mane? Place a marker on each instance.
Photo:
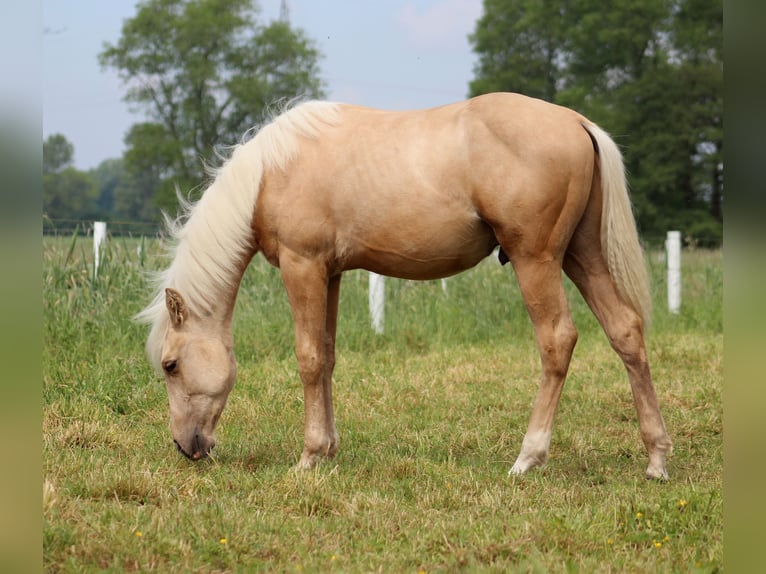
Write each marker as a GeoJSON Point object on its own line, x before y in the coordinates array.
{"type": "Point", "coordinates": [211, 238]}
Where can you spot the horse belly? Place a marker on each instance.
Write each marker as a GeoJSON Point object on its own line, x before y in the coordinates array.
{"type": "Point", "coordinates": [409, 241]}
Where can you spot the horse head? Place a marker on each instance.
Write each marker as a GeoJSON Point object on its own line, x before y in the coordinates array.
{"type": "Point", "coordinates": [199, 368]}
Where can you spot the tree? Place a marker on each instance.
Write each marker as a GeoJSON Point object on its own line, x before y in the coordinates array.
{"type": "Point", "coordinates": [205, 71]}
{"type": "Point", "coordinates": [149, 183]}
{"type": "Point", "coordinates": [649, 71]}
{"type": "Point", "coordinates": [698, 38]}
{"type": "Point", "coordinates": [67, 192]}
{"type": "Point", "coordinates": [58, 153]}
{"type": "Point", "coordinates": [108, 177]}
{"type": "Point", "coordinates": [521, 46]}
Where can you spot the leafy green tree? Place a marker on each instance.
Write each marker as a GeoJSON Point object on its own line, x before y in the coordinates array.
{"type": "Point", "coordinates": [673, 111]}
{"type": "Point", "coordinates": [67, 192]}
{"type": "Point", "coordinates": [521, 46]}
{"type": "Point", "coordinates": [58, 153]}
{"type": "Point", "coordinates": [107, 176]}
{"type": "Point", "coordinates": [698, 38]}
{"type": "Point", "coordinates": [205, 71]}
{"type": "Point", "coordinates": [149, 182]}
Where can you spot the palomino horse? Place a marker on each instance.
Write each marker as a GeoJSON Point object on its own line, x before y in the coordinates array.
{"type": "Point", "coordinates": [419, 195]}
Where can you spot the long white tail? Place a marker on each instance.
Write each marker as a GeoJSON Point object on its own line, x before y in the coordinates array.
{"type": "Point", "coordinates": [619, 237]}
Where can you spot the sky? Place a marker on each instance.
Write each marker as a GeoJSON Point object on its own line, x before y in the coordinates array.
{"type": "Point", "coordinates": [391, 54]}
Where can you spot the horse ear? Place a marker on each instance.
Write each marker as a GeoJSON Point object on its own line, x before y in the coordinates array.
{"type": "Point", "coordinates": [177, 308]}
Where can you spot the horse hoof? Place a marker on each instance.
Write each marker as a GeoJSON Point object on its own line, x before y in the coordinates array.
{"type": "Point", "coordinates": [307, 462]}
{"type": "Point", "coordinates": [526, 461]}
{"type": "Point", "coordinates": [302, 466]}
{"type": "Point", "coordinates": [516, 471]}
{"type": "Point", "coordinates": [520, 468]}
{"type": "Point", "coordinates": [653, 473]}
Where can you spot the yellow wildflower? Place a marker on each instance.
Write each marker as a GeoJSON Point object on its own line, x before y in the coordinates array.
{"type": "Point", "coordinates": [222, 541]}
{"type": "Point", "coordinates": [138, 534]}
{"type": "Point", "coordinates": [639, 514]}
{"type": "Point", "coordinates": [683, 502]}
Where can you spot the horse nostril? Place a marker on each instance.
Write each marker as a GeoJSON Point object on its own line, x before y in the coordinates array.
{"type": "Point", "coordinates": [198, 448]}
{"type": "Point", "coordinates": [180, 449]}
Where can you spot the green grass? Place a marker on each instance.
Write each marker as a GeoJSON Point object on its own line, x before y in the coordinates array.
{"type": "Point", "coordinates": [431, 417]}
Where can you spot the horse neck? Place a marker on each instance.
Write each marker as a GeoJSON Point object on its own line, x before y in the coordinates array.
{"type": "Point", "coordinates": [209, 288]}
{"type": "Point", "coordinates": [222, 311]}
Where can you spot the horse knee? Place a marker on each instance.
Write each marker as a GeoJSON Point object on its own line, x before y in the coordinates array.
{"type": "Point", "coordinates": [310, 363]}
{"type": "Point", "coordinates": [628, 341]}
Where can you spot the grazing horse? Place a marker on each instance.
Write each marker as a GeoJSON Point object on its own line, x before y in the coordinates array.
{"type": "Point", "coordinates": [327, 187]}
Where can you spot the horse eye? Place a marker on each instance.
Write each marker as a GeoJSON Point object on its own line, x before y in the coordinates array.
{"type": "Point", "coordinates": [170, 366]}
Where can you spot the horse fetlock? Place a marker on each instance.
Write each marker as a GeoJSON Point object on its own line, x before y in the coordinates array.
{"type": "Point", "coordinates": [656, 469]}
{"type": "Point", "coordinates": [319, 447]}
{"type": "Point", "coordinates": [334, 445]}
{"type": "Point", "coordinates": [312, 459]}
{"type": "Point", "coordinates": [658, 446]}
{"type": "Point", "coordinates": [307, 461]}
{"type": "Point", "coordinates": [663, 444]}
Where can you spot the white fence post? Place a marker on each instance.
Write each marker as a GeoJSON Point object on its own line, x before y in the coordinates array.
{"type": "Point", "coordinates": [377, 301]}
{"type": "Point", "coordinates": [673, 248]}
{"type": "Point", "coordinates": [99, 235]}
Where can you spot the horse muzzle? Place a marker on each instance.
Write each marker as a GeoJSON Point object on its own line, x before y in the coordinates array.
{"type": "Point", "coordinates": [198, 447]}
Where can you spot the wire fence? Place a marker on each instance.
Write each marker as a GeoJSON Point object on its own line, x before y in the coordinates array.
{"type": "Point", "coordinates": [118, 228]}
{"type": "Point", "coordinates": [82, 227]}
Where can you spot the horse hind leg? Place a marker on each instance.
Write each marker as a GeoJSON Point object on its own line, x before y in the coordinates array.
{"type": "Point", "coordinates": [541, 287]}
{"type": "Point", "coordinates": [585, 265]}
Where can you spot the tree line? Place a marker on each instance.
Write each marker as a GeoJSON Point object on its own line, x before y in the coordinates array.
{"type": "Point", "coordinates": [205, 71]}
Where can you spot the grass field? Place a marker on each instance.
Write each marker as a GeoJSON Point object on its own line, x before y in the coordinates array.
{"type": "Point", "coordinates": [431, 417]}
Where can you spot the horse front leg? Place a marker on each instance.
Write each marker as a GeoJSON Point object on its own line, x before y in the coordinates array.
{"type": "Point", "coordinates": [333, 297]}
{"type": "Point", "coordinates": [311, 297]}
